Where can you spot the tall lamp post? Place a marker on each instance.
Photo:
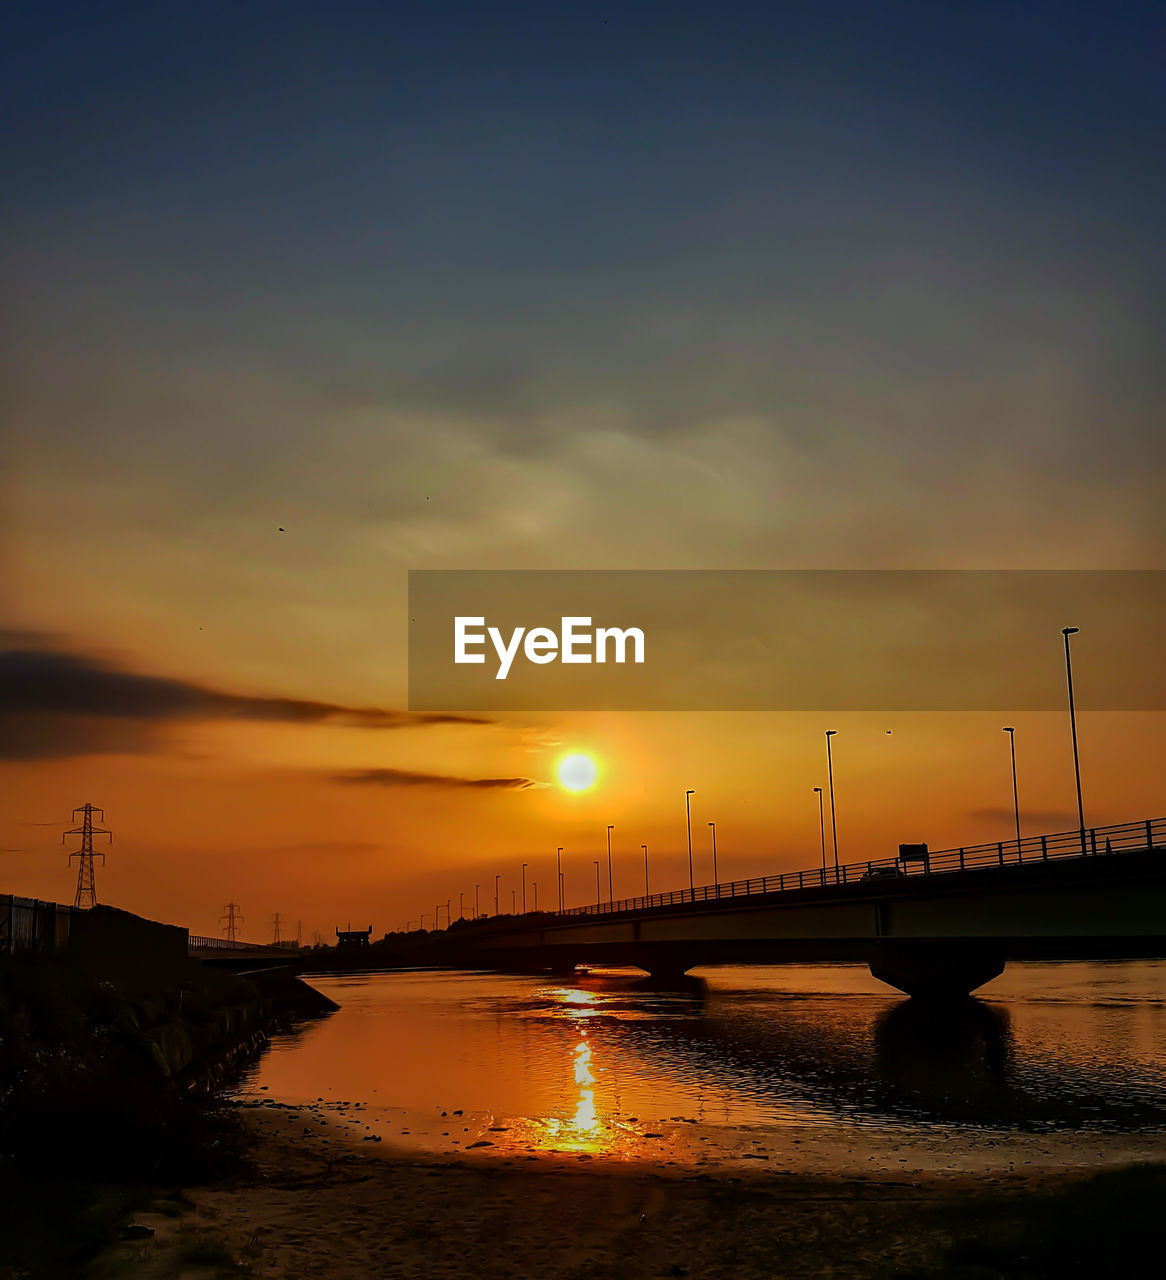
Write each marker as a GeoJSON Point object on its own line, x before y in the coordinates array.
{"type": "Point", "coordinates": [524, 888]}
{"type": "Point", "coordinates": [610, 889]}
{"type": "Point", "coordinates": [822, 829]}
{"type": "Point", "coordinates": [598, 891]}
{"type": "Point", "coordinates": [559, 875]}
{"type": "Point", "coordinates": [534, 886]}
{"type": "Point", "coordinates": [477, 913]}
{"type": "Point", "coordinates": [688, 819]}
{"type": "Point", "coordinates": [1067, 632]}
{"type": "Point", "coordinates": [496, 879]}
{"type": "Point", "coordinates": [1011, 732]}
{"type": "Point", "coordinates": [461, 904]}
{"type": "Point", "coordinates": [833, 820]}
{"type": "Point", "coordinates": [716, 878]}
{"type": "Point", "coordinates": [645, 849]}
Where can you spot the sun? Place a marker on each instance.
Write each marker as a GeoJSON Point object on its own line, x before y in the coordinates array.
{"type": "Point", "coordinates": [577, 772]}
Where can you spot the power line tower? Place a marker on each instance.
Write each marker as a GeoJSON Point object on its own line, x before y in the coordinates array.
{"type": "Point", "coordinates": [86, 883]}
{"type": "Point", "coordinates": [275, 928]}
{"type": "Point", "coordinates": [231, 918]}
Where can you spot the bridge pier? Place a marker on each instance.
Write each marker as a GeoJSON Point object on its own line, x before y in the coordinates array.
{"type": "Point", "coordinates": [944, 969]}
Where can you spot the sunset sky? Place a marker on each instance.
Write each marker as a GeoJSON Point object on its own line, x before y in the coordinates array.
{"type": "Point", "coordinates": [299, 297]}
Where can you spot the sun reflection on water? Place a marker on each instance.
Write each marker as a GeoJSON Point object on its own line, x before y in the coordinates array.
{"type": "Point", "coordinates": [586, 1120]}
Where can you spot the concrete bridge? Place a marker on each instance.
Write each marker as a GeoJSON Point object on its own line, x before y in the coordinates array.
{"type": "Point", "coordinates": [932, 924]}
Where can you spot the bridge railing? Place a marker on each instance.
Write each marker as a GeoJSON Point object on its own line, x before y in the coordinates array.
{"type": "Point", "coordinates": [199, 942]}
{"type": "Point", "coordinates": [1092, 842]}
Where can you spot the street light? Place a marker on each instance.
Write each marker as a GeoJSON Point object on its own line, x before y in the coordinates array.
{"type": "Point", "coordinates": [524, 888]}
{"type": "Point", "coordinates": [476, 911]}
{"type": "Point", "coordinates": [645, 849]}
{"type": "Point", "coordinates": [822, 830]}
{"type": "Point", "coordinates": [496, 911]}
{"type": "Point", "coordinates": [716, 879]}
{"type": "Point", "coordinates": [688, 819]}
{"type": "Point", "coordinates": [559, 875]}
{"type": "Point", "coordinates": [1067, 632]}
{"type": "Point", "coordinates": [1011, 732]}
{"type": "Point", "coordinates": [534, 886]}
{"type": "Point", "coordinates": [598, 894]}
{"type": "Point", "coordinates": [833, 821]}
{"type": "Point", "coordinates": [610, 889]}
{"type": "Point", "coordinates": [461, 904]}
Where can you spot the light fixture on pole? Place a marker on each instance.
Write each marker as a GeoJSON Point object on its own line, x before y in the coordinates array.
{"type": "Point", "coordinates": [645, 849]}
{"type": "Point", "coordinates": [598, 891]}
{"type": "Point", "coordinates": [559, 875]}
{"type": "Point", "coordinates": [524, 865]}
{"type": "Point", "coordinates": [822, 829]}
{"type": "Point", "coordinates": [1011, 732]}
{"type": "Point", "coordinates": [1067, 632]}
{"type": "Point", "coordinates": [833, 819]}
{"type": "Point", "coordinates": [496, 879]}
{"type": "Point", "coordinates": [610, 888]}
{"type": "Point", "coordinates": [688, 819]}
{"type": "Point", "coordinates": [716, 879]}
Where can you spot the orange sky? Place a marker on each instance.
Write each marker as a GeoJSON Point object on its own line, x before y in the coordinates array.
{"type": "Point", "coordinates": [293, 310]}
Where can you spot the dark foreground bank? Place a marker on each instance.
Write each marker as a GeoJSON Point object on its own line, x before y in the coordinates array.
{"type": "Point", "coordinates": [109, 1055]}
{"type": "Point", "coordinates": [309, 1202]}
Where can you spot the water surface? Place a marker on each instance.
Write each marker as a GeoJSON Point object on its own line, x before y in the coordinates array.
{"type": "Point", "coordinates": [801, 1066]}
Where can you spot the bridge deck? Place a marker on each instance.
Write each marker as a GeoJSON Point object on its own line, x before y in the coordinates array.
{"type": "Point", "coordinates": [1093, 842]}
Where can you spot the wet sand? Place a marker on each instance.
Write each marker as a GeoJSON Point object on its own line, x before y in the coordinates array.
{"type": "Point", "coordinates": [320, 1201]}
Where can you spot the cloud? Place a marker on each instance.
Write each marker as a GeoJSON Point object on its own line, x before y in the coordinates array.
{"type": "Point", "coordinates": [55, 704]}
{"type": "Point", "coordinates": [406, 778]}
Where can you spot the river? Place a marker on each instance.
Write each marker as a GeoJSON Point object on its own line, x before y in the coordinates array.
{"type": "Point", "coordinates": [806, 1067]}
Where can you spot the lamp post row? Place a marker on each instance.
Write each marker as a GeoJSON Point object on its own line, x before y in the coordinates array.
{"type": "Point", "coordinates": [1010, 730]}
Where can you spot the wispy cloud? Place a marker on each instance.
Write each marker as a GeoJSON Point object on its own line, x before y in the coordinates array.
{"type": "Point", "coordinates": [407, 778]}
{"type": "Point", "coordinates": [57, 704]}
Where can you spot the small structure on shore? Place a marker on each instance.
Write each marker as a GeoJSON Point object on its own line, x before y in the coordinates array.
{"type": "Point", "coordinates": [351, 937]}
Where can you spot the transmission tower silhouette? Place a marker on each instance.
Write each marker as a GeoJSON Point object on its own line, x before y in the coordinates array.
{"type": "Point", "coordinates": [231, 918]}
{"type": "Point", "coordinates": [86, 883]}
{"type": "Point", "coordinates": [275, 928]}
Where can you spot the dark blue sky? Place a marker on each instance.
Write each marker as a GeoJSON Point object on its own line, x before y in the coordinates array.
{"type": "Point", "coordinates": [645, 285]}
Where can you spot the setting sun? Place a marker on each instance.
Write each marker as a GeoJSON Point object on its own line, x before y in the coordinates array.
{"type": "Point", "coordinates": [577, 772]}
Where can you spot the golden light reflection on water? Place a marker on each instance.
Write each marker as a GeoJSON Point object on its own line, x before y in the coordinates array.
{"type": "Point", "coordinates": [586, 1120]}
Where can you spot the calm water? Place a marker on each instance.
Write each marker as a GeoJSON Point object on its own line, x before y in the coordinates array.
{"type": "Point", "coordinates": [803, 1066]}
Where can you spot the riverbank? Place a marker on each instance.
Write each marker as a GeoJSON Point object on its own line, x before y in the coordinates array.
{"type": "Point", "coordinates": [313, 1200]}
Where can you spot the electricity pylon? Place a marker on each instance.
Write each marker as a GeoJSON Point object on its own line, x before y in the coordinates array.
{"type": "Point", "coordinates": [275, 929]}
{"type": "Point", "coordinates": [231, 918]}
{"type": "Point", "coordinates": [86, 884]}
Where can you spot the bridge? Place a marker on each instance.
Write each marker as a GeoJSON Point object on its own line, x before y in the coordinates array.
{"type": "Point", "coordinates": [933, 924]}
{"type": "Point", "coordinates": [231, 953]}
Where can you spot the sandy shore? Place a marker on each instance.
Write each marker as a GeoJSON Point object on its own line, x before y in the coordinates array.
{"type": "Point", "coordinates": [318, 1202]}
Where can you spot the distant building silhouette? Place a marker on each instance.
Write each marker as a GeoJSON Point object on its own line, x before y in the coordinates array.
{"type": "Point", "coordinates": [351, 937]}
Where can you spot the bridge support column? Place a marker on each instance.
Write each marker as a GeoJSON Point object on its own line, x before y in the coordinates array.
{"type": "Point", "coordinates": [936, 969]}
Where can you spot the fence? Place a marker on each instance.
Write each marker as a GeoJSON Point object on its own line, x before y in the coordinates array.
{"type": "Point", "coordinates": [1092, 842]}
{"type": "Point", "coordinates": [200, 942]}
{"type": "Point", "coordinates": [28, 924]}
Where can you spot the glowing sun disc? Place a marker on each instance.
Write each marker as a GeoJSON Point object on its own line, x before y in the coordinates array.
{"type": "Point", "coordinates": [577, 772]}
